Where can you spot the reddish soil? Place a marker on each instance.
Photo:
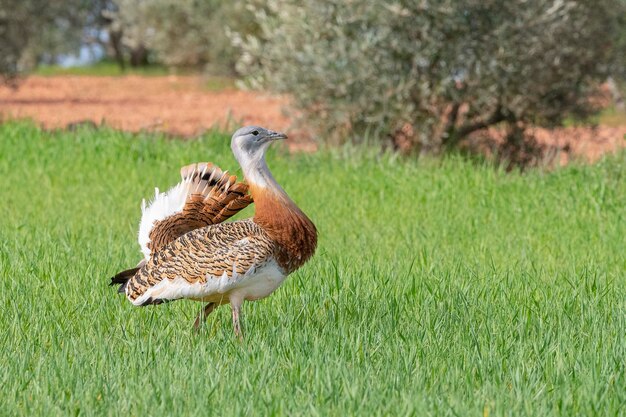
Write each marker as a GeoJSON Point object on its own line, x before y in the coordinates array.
{"type": "Point", "coordinates": [558, 146]}
{"type": "Point", "coordinates": [181, 105]}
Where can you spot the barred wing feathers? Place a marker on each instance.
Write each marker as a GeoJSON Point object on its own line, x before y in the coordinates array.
{"type": "Point", "coordinates": [204, 264]}
{"type": "Point", "coordinates": [205, 196]}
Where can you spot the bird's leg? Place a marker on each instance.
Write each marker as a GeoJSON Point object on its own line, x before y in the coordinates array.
{"type": "Point", "coordinates": [236, 308]}
{"type": "Point", "coordinates": [208, 309]}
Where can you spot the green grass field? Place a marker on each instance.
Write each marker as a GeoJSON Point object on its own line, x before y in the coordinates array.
{"type": "Point", "coordinates": [107, 68]}
{"type": "Point", "coordinates": [101, 68]}
{"type": "Point", "coordinates": [440, 287]}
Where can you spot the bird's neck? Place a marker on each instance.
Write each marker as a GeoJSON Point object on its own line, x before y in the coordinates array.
{"type": "Point", "coordinates": [279, 216]}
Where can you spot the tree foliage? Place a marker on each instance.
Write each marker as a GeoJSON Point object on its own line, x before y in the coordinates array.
{"type": "Point", "coordinates": [182, 33]}
{"type": "Point", "coordinates": [36, 30]}
{"type": "Point", "coordinates": [445, 67]}
{"type": "Point", "coordinates": [176, 33]}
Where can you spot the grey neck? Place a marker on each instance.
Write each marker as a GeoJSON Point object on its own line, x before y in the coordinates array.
{"type": "Point", "coordinates": [256, 171]}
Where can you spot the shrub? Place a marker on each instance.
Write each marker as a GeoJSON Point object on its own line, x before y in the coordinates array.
{"type": "Point", "coordinates": [33, 30]}
{"type": "Point", "coordinates": [437, 69]}
{"type": "Point", "coordinates": [183, 33]}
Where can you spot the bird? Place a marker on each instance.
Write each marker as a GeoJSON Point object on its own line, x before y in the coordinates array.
{"type": "Point", "coordinates": [191, 252]}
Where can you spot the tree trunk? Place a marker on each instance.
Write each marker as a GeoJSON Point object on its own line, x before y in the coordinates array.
{"type": "Point", "coordinates": [618, 99]}
{"type": "Point", "coordinates": [454, 134]}
{"type": "Point", "coordinates": [139, 56]}
{"type": "Point", "coordinates": [116, 44]}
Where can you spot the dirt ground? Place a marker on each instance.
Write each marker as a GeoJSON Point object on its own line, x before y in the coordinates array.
{"type": "Point", "coordinates": [179, 105]}
{"type": "Point", "coordinates": [182, 105]}
{"type": "Point", "coordinates": [563, 145]}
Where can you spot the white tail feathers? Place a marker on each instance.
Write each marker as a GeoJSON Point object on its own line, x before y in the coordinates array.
{"type": "Point", "coordinates": [209, 186]}
{"type": "Point", "coordinates": [163, 206]}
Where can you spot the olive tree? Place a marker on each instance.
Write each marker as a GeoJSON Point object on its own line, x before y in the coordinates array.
{"type": "Point", "coordinates": [447, 68]}
{"type": "Point", "coordinates": [33, 30]}
{"type": "Point", "coordinates": [181, 33]}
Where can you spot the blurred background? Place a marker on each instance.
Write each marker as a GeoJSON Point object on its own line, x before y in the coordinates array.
{"type": "Point", "coordinates": [528, 81]}
{"type": "Point", "coordinates": [461, 271]}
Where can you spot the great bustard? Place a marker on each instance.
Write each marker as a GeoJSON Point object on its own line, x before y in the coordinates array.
{"type": "Point", "coordinates": [190, 253]}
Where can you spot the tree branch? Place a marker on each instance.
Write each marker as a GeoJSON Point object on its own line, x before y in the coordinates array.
{"type": "Point", "coordinates": [448, 131]}
{"type": "Point", "coordinates": [497, 117]}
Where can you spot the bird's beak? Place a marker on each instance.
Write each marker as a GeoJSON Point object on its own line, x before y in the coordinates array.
{"type": "Point", "coordinates": [277, 136]}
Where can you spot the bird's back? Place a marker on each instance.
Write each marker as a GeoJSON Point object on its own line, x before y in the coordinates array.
{"type": "Point", "coordinates": [207, 264]}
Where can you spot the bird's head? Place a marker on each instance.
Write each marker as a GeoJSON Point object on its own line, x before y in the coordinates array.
{"type": "Point", "coordinates": [250, 143]}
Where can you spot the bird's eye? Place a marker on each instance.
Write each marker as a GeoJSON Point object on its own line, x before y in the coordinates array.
{"type": "Point", "coordinates": [255, 133]}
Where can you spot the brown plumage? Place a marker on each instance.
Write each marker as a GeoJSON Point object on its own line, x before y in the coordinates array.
{"type": "Point", "coordinates": [214, 196]}
{"type": "Point", "coordinates": [286, 225]}
{"type": "Point", "coordinates": [189, 252]}
{"type": "Point", "coordinates": [223, 249]}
